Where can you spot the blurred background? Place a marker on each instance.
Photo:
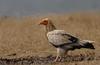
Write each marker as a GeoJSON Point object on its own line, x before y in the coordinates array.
{"type": "Point", "coordinates": [31, 7]}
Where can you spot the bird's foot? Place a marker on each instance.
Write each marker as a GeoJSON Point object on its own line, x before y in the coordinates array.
{"type": "Point", "coordinates": [58, 59]}
{"type": "Point", "coordinates": [55, 60]}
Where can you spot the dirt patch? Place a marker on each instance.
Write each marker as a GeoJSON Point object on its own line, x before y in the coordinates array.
{"type": "Point", "coordinates": [36, 60]}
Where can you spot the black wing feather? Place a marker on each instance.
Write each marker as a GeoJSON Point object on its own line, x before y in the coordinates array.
{"type": "Point", "coordinates": [72, 38]}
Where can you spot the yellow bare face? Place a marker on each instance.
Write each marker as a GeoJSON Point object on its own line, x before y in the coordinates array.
{"type": "Point", "coordinates": [44, 21]}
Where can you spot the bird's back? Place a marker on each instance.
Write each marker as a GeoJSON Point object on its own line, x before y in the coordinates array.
{"type": "Point", "coordinates": [59, 37]}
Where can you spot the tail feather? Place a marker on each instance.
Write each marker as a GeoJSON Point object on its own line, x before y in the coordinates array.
{"type": "Point", "coordinates": [89, 41]}
{"type": "Point", "coordinates": [82, 44]}
{"type": "Point", "coordinates": [87, 44]}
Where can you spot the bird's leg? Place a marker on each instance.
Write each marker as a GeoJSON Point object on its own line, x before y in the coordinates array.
{"type": "Point", "coordinates": [66, 54]}
{"type": "Point", "coordinates": [60, 53]}
{"type": "Point", "coordinates": [60, 58]}
{"type": "Point", "coordinates": [57, 57]}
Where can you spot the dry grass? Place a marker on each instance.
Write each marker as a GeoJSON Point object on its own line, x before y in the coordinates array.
{"type": "Point", "coordinates": [25, 37]}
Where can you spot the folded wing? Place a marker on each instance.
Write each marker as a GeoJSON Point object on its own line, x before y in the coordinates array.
{"type": "Point", "coordinates": [60, 37]}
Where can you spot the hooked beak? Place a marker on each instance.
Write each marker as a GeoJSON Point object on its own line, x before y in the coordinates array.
{"type": "Point", "coordinates": [40, 23]}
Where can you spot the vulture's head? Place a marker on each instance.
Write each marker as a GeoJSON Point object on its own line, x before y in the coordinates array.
{"type": "Point", "coordinates": [45, 21]}
{"type": "Point", "coordinates": [48, 23]}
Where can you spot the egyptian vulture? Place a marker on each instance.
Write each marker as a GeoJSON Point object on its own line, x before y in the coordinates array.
{"type": "Point", "coordinates": [62, 40]}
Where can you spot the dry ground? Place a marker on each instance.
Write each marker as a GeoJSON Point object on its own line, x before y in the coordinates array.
{"type": "Point", "coordinates": [22, 37]}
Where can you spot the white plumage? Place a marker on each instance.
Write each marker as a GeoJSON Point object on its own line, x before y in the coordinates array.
{"type": "Point", "coordinates": [62, 40]}
{"type": "Point", "coordinates": [58, 37]}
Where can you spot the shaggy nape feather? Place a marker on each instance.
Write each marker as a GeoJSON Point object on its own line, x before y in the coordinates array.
{"type": "Point", "coordinates": [50, 26]}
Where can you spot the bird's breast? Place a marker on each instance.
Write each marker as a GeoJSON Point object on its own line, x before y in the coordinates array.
{"type": "Point", "coordinates": [56, 39]}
